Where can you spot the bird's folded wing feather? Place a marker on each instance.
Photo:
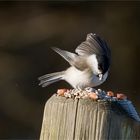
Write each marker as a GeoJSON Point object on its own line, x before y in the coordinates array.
{"type": "Point", "coordinates": [93, 45]}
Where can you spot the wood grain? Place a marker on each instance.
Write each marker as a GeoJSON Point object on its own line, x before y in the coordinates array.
{"type": "Point", "coordinates": [85, 119]}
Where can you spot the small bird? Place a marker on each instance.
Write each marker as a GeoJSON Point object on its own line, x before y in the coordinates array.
{"type": "Point", "coordinates": [89, 65]}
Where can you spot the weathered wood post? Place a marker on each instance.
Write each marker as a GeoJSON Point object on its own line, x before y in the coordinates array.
{"type": "Point", "coordinates": [86, 119]}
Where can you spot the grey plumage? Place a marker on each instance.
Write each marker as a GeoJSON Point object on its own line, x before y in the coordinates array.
{"type": "Point", "coordinates": [48, 79]}
{"type": "Point", "coordinates": [68, 56]}
{"type": "Point", "coordinates": [92, 59]}
{"type": "Point", "coordinates": [93, 44]}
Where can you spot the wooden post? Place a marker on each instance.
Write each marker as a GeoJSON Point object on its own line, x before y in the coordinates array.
{"type": "Point", "coordinates": [85, 119]}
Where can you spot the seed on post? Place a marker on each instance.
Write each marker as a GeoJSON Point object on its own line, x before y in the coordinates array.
{"type": "Point", "coordinates": [61, 92]}
{"type": "Point", "coordinates": [121, 96]}
{"type": "Point", "coordinates": [93, 96]}
{"type": "Point", "coordinates": [110, 93]}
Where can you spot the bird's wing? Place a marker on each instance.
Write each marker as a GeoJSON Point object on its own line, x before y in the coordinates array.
{"type": "Point", "coordinates": [93, 45]}
{"type": "Point", "coordinates": [68, 56]}
{"type": "Point", "coordinates": [72, 58]}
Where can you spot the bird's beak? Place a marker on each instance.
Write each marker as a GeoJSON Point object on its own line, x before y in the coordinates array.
{"type": "Point", "coordinates": [100, 77]}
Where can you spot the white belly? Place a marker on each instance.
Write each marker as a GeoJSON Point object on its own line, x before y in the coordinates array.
{"type": "Point", "coordinates": [81, 79]}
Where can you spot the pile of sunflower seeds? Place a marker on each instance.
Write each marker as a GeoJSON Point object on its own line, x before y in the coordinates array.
{"type": "Point", "coordinates": [77, 93]}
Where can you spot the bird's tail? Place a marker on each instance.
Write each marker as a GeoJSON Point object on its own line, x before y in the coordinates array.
{"type": "Point", "coordinates": [48, 79]}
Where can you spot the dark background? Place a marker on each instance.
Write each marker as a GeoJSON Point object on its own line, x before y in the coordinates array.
{"type": "Point", "coordinates": [27, 32]}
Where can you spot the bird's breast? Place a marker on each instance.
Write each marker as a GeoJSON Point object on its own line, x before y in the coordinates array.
{"type": "Point", "coordinates": [82, 79]}
{"type": "Point", "coordinates": [78, 78]}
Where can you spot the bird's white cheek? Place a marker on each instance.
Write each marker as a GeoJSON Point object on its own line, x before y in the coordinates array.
{"type": "Point", "coordinates": [93, 63]}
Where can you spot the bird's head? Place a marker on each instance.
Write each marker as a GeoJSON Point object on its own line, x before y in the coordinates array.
{"type": "Point", "coordinates": [99, 65]}
{"type": "Point", "coordinates": [99, 54]}
{"type": "Point", "coordinates": [103, 65]}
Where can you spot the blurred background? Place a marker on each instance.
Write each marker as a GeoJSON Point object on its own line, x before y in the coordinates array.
{"type": "Point", "coordinates": [28, 30]}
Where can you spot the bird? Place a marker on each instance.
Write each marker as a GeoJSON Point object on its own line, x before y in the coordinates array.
{"type": "Point", "coordinates": [89, 65]}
